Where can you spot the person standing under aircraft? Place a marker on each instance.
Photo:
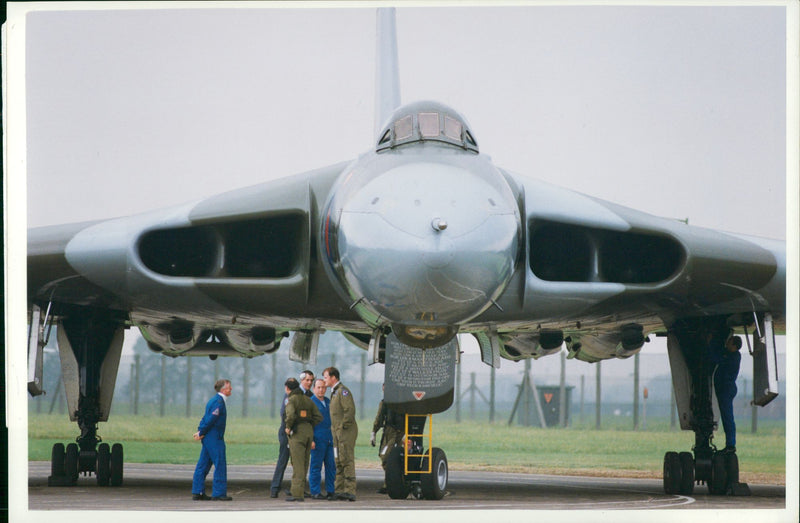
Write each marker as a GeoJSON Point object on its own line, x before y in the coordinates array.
{"type": "Point", "coordinates": [345, 432]}
{"type": "Point", "coordinates": [393, 425]}
{"type": "Point", "coordinates": [283, 452]}
{"type": "Point", "coordinates": [306, 377]}
{"type": "Point", "coordinates": [322, 449]}
{"type": "Point", "coordinates": [301, 417]}
{"type": "Point", "coordinates": [727, 360]}
{"type": "Point", "coordinates": [211, 434]}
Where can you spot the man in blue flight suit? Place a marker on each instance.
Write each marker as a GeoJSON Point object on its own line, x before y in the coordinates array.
{"type": "Point", "coordinates": [306, 378]}
{"type": "Point", "coordinates": [211, 434]}
{"type": "Point", "coordinates": [727, 359]}
{"type": "Point", "coordinates": [322, 449]}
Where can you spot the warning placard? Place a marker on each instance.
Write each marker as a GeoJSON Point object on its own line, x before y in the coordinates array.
{"type": "Point", "coordinates": [419, 381]}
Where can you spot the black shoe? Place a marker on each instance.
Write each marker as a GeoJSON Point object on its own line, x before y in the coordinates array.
{"type": "Point", "coordinates": [291, 498]}
{"type": "Point", "coordinates": [319, 496]}
{"type": "Point", "coordinates": [331, 496]}
{"type": "Point", "coordinates": [222, 498]}
{"type": "Point", "coordinates": [342, 497]}
{"type": "Point", "coordinates": [382, 490]}
{"type": "Point", "coordinates": [273, 494]}
{"type": "Point", "coordinates": [200, 497]}
{"type": "Point", "coordinates": [351, 497]}
{"type": "Point", "coordinates": [287, 492]}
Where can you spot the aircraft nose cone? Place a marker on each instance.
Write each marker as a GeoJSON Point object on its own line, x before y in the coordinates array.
{"type": "Point", "coordinates": [429, 243]}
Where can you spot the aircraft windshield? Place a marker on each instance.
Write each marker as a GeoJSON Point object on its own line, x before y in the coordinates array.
{"type": "Point", "coordinates": [426, 121]}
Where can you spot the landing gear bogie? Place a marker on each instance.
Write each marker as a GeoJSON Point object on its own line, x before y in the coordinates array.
{"type": "Point", "coordinates": [720, 474]}
{"type": "Point", "coordinates": [67, 464]}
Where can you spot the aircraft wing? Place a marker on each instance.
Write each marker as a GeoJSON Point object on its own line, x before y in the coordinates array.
{"type": "Point", "coordinates": [253, 258]}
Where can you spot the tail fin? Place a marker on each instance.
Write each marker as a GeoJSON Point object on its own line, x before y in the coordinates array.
{"type": "Point", "coordinates": [387, 70]}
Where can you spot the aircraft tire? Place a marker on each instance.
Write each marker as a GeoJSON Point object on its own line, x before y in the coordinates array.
{"type": "Point", "coordinates": [103, 465]}
{"type": "Point", "coordinates": [672, 473]}
{"type": "Point", "coordinates": [116, 465]}
{"type": "Point", "coordinates": [687, 473]}
{"type": "Point", "coordinates": [732, 468]}
{"type": "Point", "coordinates": [71, 462]}
{"type": "Point", "coordinates": [396, 485]}
{"type": "Point", "coordinates": [719, 475]}
{"type": "Point", "coordinates": [434, 485]}
{"type": "Point", "coordinates": [57, 460]}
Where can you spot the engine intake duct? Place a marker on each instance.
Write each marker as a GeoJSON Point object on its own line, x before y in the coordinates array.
{"type": "Point", "coordinates": [259, 248]}
{"type": "Point", "coordinates": [571, 253]}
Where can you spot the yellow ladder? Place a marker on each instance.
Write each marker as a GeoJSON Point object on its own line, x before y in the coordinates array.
{"type": "Point", "coordinates": [429, 453]}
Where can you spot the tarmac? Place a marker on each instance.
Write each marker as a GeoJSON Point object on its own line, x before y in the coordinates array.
{"type": "Point", "coordinates": [155, 487]}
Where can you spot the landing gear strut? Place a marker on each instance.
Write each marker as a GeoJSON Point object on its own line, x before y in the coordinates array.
{"type": "Point", "coordinates": [692, 371]}
{"type": "Point", "coordinates": [90, 347]}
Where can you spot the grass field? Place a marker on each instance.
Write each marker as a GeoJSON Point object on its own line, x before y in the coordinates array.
{"type": "Point", "coordinates": [469, 445]}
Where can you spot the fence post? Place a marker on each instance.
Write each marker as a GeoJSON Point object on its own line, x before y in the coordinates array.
{"type": "Point", "coordinates": [597, 398]}
{"type": "Point", "coordinates": [362, 390]}
{"type": "Point", "coordinates": [491, 395]}
{"type": "Point", "coordinates": [245, 386]}
{"type": "Point", "coordinates": [136, 398]}
{"type": "Point", "coordinates": [163, 386]}
{"type": "Point", "coordinates": [562, 391]}
{"type": "Point", "coordinates": [636, 391]}
{"type": "Point", "coordinates": [188, 387]}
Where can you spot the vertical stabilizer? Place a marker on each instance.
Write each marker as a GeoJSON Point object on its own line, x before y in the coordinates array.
{"type": "Point", "coordinates": [387, 71]}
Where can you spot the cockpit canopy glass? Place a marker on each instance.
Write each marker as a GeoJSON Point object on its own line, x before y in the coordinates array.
{"type": "Point", "coordinates": [426, 121]}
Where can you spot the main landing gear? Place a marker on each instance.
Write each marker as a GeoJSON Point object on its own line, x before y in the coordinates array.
{"type": "Point", "coordinates": [67, 463]}
{"type": "Point", "coordinates": [692, 382]}
{"type": "Point", "coordinates": [89, 345]}
{"type": "Point", "coordinates": [413, 470]}
{"type": "Point", "coordinates": [720, 472]}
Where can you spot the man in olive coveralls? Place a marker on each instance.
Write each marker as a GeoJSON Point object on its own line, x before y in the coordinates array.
{"type": "Point", "coordinates": [345, 431]}
{"type": "Point", "coordinates": [393, 425]}
{"type": "Point", "coordinates": [301, 416]}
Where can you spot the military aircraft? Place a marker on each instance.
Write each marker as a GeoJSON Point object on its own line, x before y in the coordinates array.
{"type": "Point", "coordinates": [420, 238]}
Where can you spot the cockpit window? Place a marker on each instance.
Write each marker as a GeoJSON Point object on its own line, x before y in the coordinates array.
{"type": "Point", "coordinates": [426, 121]}
{"type": "Point", "coordinates": [452, 128]}
{"type": "Point", "coordinates": [429, 124]}
{"type": "Point", "coordinates": [403, 128]}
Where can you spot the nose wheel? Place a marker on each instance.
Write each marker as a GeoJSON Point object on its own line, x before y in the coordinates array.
{"type": "Point", "coordinates": [413, 470]}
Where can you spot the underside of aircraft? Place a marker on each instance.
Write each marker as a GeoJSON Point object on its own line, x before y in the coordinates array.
{"type": "Point", "coordinates": [415, 241]}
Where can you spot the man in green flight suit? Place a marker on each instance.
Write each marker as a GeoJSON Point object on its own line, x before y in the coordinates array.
{"type": "Point", "coordinates": [301, 416]}
{"type": "Point", "coordinates": [345, 432]}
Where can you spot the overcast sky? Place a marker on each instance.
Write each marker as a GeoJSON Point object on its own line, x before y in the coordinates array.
{"type": "Point", "coordinates": [677, 111]}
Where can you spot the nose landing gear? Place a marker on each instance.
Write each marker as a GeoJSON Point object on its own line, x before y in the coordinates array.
{"type": "Point", "coordinates": [414, 470]}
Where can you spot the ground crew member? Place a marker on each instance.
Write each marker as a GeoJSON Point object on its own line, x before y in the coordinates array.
{"type": "Point", "coordinates": [211, 434]}
{"type": "Point", "coordinates": [322, 450]}
{"type": "Point", "coordinates": [393, 425]}
{"type": "Point", "coordinates": [301, 416]}
{"type": "Point", "coordinates": [283, 452]}
{"type": "Point", "coordinates": [727, 359]}
{"type": "Point", "coordinates": [345, 432]}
